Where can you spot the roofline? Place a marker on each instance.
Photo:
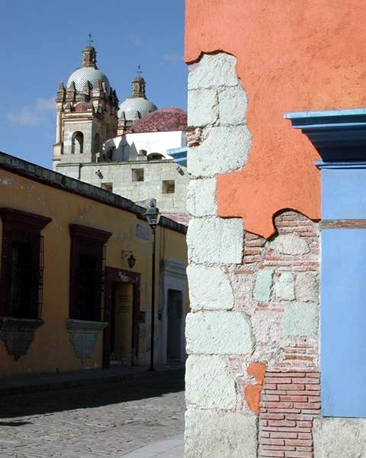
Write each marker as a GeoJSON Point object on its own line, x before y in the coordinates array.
{"type": "Point", "coordinates": [48, 177]}
{"type": "Point", "coordinates": [338, 135]}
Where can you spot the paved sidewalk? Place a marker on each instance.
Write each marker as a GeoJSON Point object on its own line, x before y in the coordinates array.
{"type": "Point", "coordinates": [170, 448]}
{"type": "Point", "coordinates": [32, 383]}
{"type": "Point", "coordinates": [139, 417]}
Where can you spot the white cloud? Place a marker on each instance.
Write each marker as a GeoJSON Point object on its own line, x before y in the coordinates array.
{"type": "Point", "coordinates": [173, 57]}
{"type": "Point", "coordinates": [46, 104]}
{"type": "Point", "coordinates": [33, 115]}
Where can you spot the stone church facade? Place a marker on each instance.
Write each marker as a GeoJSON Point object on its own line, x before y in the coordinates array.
{"type": "Point", "coordinates": [132, 149]}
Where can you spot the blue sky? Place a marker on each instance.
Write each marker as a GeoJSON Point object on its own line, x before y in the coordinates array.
{"type": "Point", "coordinates": [41, 43]}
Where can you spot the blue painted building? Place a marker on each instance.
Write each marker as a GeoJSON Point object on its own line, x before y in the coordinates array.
{"type": "Point", "coordinates": [179, 155]}
{"type": "Point", "coordinates": [340, 138]}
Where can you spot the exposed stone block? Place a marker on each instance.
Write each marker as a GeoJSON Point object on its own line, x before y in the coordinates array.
{"type": "Point", "coordinates": [232, 105]}
{"type": "Point", "coordinates": [215, 434]}
{"type": "Point", "coordinates": [300, 319]}
{"type": "Point", "coordinates": [209, 383]}
{"type": "Point", "coordinates": [223, 149]}
{"type": "Point", "coordinates": [267, 329]}
{"type": "Point", "coordinates": [218, 333]}
{"type": "Point", "coordinates": [339, 437]}
{"type": "Point", "coordinates": [203, 107]}
{"type": "Point", "coordinates": [213, 70]}
{"type": "Point", "coordinates": [290, 244]}
{"type": "Point", "coordinates": [209, 288]}
{"type": "Point", "coordinates": [263, 285]}
{"type": "Point", "coordinates": [307, 288]}
{"type": "Point", "coordinates": [285, 287]}
{"type": "Point", "coordinates": [201, 197]}
{"type": "Point", "coordinates": [215, 240]}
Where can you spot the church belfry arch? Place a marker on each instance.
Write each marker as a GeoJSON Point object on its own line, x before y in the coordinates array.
{"type": "Point", "coordinates": [77, 145]}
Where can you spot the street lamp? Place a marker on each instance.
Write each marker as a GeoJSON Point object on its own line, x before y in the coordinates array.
{"type": "Point", "coordinates": [153, 217]}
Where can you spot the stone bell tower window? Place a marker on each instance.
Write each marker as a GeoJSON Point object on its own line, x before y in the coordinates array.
{"type": "Point", "coordinates": [77, 143]}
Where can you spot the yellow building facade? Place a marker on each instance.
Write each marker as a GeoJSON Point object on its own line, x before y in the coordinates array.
{"type": "Point", "coordinates": [69, 299]}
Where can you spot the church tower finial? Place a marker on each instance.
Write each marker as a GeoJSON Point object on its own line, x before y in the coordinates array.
{"type": "Point", "coordinates": [138, 85]}
{"type": "Point", "coordinates": [89, 54]}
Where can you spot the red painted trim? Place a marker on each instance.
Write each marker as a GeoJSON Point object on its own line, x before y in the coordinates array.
{"type": "Point", "coordinates": [85, 232]}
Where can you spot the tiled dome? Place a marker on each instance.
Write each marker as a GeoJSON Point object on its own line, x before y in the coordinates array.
{"type": "Point", "coordinates": [84, 74]}
{"type": "Point", "coordinates": [134, 105]}
{"type": "Point", "coordinates": [163, 120]}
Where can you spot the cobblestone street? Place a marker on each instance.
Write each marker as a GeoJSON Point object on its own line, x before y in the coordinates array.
{"type": "Point", "coordinates": [104, 420]}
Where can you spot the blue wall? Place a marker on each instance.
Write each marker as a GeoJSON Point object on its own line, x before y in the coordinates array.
{"type": "Point", "coordinates": [343, 293]}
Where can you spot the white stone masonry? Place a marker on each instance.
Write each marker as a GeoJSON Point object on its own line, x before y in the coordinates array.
{"type": "Point", "coordinates": [217, 105]}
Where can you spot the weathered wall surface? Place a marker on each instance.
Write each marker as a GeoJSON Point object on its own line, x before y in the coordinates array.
{"type": "Point", "coordinates": [254, 301]}
{"type": "Point", "coordinates": [253, 241]}
{"type": "Point", "coordinates": [288, 59]}
{"type": "Point", "coordinates": [335, 437]}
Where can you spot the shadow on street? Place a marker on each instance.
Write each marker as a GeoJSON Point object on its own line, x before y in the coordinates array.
{"type": "Point", "coordinates": [95, 395]}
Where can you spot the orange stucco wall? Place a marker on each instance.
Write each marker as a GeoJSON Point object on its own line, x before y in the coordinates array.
{"type": "Point", "coordinates": [291, 56]}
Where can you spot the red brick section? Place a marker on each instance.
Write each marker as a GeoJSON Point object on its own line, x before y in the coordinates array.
{"type": "Point", "coordinates": [300, 354]}
{"type": "Point", "coordinates": [257, 251]}
{"type": "Point", "coordinates": [290, 402]}
{"type": "Point", "coordinates": [194, 137]}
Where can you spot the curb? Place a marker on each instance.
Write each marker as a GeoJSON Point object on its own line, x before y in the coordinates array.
{"type": "Point", "coordinates": [71, 382]}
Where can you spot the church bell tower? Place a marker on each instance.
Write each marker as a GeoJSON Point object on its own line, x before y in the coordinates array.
{"type": "Point", "coordinates": [86, 113]}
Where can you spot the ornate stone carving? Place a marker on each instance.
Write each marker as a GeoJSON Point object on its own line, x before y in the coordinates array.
{"type": "Point", "coordinates": [18, 334]}
{"type": "Point", "coordinates": [84, 335]}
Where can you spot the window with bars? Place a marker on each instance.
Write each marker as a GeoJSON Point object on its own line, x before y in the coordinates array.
{"type": "Point", "coordinates": [21, 284]}
{"type": "Point", "coordinates": [87, 272]}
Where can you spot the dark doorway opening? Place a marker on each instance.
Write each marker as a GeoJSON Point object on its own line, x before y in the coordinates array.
{"type": "Point", "coordinates": [175, 317]}
{"type": "Point", "coordinates": [122, 311]}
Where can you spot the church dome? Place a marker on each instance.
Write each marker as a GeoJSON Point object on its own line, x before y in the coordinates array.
{"type": "Point", "coordinates": [90, 74]}
{"type": "Point", "coordinates": [136, 107]}
{"type": "Point", "coordinates": [163, 120]}
{"type": "Point", "coordinates": [138, 104]}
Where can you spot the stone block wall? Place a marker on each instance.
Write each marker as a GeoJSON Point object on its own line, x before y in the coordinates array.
{"type": "Point", "coordinates": [254, 301]}
{"type": "Point", "coordinates": [119, 175]}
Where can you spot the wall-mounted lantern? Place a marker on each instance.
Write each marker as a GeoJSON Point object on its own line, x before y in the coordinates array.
{"type": "Point", "coordinates": [130, 258]}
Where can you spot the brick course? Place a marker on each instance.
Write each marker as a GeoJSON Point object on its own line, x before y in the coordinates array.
{"type": "Point", "coordinates": [286, 418]}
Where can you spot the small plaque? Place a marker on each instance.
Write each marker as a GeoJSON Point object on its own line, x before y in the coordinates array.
{"type": "Point", "coordinates": [142, 232]}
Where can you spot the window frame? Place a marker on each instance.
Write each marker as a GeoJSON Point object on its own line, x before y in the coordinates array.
{"type": "Point", "coordinates": [85, 241]}
{"type": "Point", "coordinates": [19, 227]}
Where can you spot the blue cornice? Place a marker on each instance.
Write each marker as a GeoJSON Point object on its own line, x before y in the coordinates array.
{"type": "Point", "coordinates": [340, 165]}
{"type": "Point", "coordinates": [338, 135]}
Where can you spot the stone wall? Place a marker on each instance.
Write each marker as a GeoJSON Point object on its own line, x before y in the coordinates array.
{"type": "Point", "coordinates": [254, 302]}
{"type": "Point", "coordinates": [120, 176]}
